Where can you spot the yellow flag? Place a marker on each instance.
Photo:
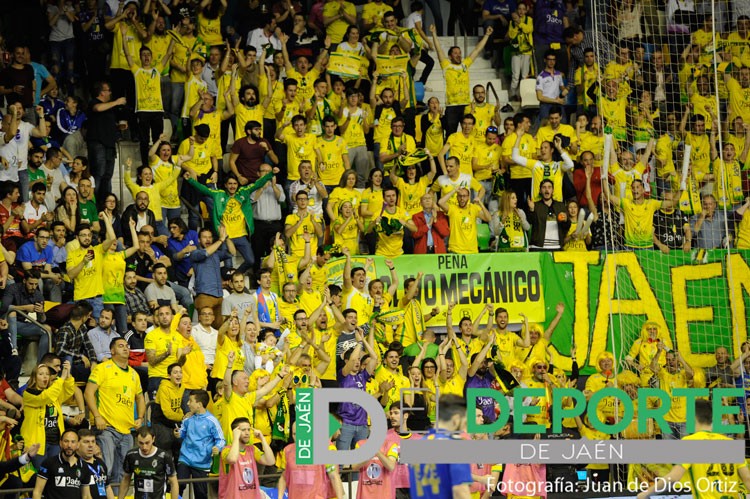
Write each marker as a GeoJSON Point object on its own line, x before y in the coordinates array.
{"type": "Point", "coordinates": [344, 64]}
{"type": "Point", "coordinates": [390, 65]}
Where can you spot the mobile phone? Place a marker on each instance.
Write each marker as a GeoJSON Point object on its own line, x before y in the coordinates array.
{"type": "Point", "coordinates": [91, 253]}
{"type": "Point", "coordinates": [68, 358]}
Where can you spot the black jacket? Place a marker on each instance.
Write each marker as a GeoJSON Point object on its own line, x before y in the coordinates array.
{"type": "Point", "coordinates": [538, 220]}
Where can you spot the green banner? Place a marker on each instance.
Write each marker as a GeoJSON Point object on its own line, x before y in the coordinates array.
{"type": "Point", "coordinates": [700, 298]}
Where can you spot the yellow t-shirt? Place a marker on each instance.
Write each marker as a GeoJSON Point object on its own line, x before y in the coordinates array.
{"type": "Point", "coordinates": [337, 28]}
{"type": "Point", "coordinates": [236, 407]}
{"type": "Point", "coordinates": [594, 144]}
{"type": "Point", "coordinates": [410, 195]}
{"type": "Point", "coordinates": [463, 223]}
{"type": "Point", "coordinates": [399, 382]}
{"type": "Point", "coordinates": [180, 57]}
{"type": "Point", "coordinates": [624, 178]}
{"type": "Point", "coordinates": [349, 237]}
{"type": "Point", "coordinates": [668, 382]}
{"type": "Point", "coordinates": [209, 30]}
{"type": "Point", "coordinates": [115, 398]}
{"type": "Point", "coordinates": [700, 153]}
{"type": "Point", "coordinates": [457, 82]}
{"type": "Point", "coordinates": [305, 85]}
{"type": "Point", "coordinates": [355, 133]}
{"type": "Point", "coordinates": [193, 88]}
{"type": "Point", "coordinates": [159, 45]}
{"type": "Point", "coordinates": [615, 112]}
{"type": "Point", "coordinates": [119, 61]}
{"type": "Point", "coordinates": [213, 120]}
{"type": "Point", "coordinates": [452, 386]}
{"type": "Point", "coordinates": [729, 192]}
{"type": "Point", "coordinates": [333, 157]}
{"type": "Point", "coordinates": [484, 114]}
{"type": "Point", "coordinates": [374, 201]}
{"type": "Point", "coordinates": [341, 195]}
{"type": "Point", "coordinates": [614, 71]}
{"type": "Point", "coordinates": [664, 153]}
{"type": "Point", "coordinates": [739, 100]}
{"type": "Point", "coordinates": [743, 232]}
{"type": "Point", "coordinates": [586, 76]}
{"type": "Point", "coordinates": [462, 148]}
{"type": "Point", "coordinates": [234, 220]}
{"type": "Point", "coordinates": [243, 114]}
{"type": "Point", "coordinates": [292, 109]}
{"type": "Point", "coordinates": [170, 197]}
{"type": "Point", "coordinates": [157, 340]}
{"type": "Point", "coordinates": [202, 154]}
{"type": "Point", "coordinates": [434, 136]}
{"type": "Point", "coordinates": [391, 246]}
{"type": "Point", "coordinates": [147, 88]}
{"type": "Point", "coordinates": [223, 83]}
{"type": "Point", "coordinates": [488, 156]}
{"type": "Point", "coordinates": [88, 282]}
{"type": "Point", "coordinates": [299, 149]}
{"type": "Point", "coordinates": [639, 222]}
{"type": "Point", "coordinates": [721, 477]}
{"type": "Point", "coordinates": [169, 398]}
{"type": "Point", "coordinates": [373, 13]}
{"type": "Point", "coordinates": [740, 49]}
{"type": "Point", "coordinates": [546, 133]}
{"type": "Point", "coordinates": [383, 124]}
{"type": "Point", "coordinates": [390, 144]}
{"type": "Point", "coordinates": [221, 360]}
{"type": "Point", "coordinates": [527, 148]}
{"type": "Point", "coordinates": [296, 243]}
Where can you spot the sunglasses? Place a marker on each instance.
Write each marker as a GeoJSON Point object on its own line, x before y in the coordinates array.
{"type": "Point", "coordinates": [300, 379]}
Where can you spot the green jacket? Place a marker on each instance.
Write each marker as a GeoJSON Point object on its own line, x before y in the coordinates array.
{"type": "Point", "coordinates": [221, 199]}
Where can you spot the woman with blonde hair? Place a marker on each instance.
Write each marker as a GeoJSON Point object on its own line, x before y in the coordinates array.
{"type": "Point", "coordinates": [231, 335]}
{"type": "Point", "coordinates": [509, 225]}
{"type": "Point", "coordinates": [43, 421]}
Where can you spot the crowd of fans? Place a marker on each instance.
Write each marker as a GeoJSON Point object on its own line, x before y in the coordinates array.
{"type": "Point", "coordinates": [260, 159]}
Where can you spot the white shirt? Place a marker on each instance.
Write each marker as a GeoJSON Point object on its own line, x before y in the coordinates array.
{"type": "Point", "coordinates": [206, 340]}
{"type": "Point", "coordinates": [550, 84]}
{"type": "Point", "coordinates": [257, 38]}
{"type": "Point", "coordinates": [32, 214]}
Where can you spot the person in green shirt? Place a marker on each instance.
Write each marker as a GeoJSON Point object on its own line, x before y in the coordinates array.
{"type": "Point", "coordinates": [226, 203]}
{"type": "Point", "coordinates": [87, 205]}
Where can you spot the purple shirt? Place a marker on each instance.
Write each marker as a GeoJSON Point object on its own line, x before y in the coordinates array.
{"type": "Point", "coordinates": [350, 413]}
{"type": "Point", "coordinates": [548, 21]}
{"type": "Point", "coordinates": [487, 404]}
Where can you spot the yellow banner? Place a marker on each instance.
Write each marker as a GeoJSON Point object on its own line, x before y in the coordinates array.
{"type": "Point", "coordinates": [344, 64]}
{"type": "Point", "coordinates": [390, 65]}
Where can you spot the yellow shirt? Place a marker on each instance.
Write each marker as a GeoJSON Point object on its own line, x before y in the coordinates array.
{"type": "Point", "coordinates": [391, 246]}
{"type": "Point", "coordinates": [305, 85]}
{"type": "Point", "coordinates": [668, 382]}
{"type": "Point", "coordinates": [349, 237]}
{"type": "Point", "coordinates": [594, 144]}
{"type": "Point", "coordinates": [399, 381]}
{"type": "Point", "coordinates": [337, 28]}
{"type": "Point", "coordinates": [372, 13]}
{"type": "Point", "coordinates": [743, 232]}
{"type": "Point", "coordinates": [341, 195]}
{"type": "Point", "coordinates": [728, 192]}
{"type": "Point", "coordinates": [202, 154]}
{"type": "Point", "coordinates": [700, 102]}
{"type": "Point", "coordinates": [740, 49]}
{"type": "Point", "coordinates": [624, 178]}
{"type": "Point", "coordinates": [299, 149]}
{"type": "Point", "coordinates": [153, 191]}
{"type": "Point", "coordinates": [527, 148]}
{"type": "Point", "coordinates": [236, 407]}
{"type": "Point", "coordinates": [507, 350]}
{"type": "Point", "coordinates": [296, 243]}
{"type": "Point", "coordinates": [243, 114]}
{"type": "Point", "coordinates": [547, 134]}
{"type": "Point", "coordinates": [194, 375]}
{"type": "Point", "coordinates": [115, 398]}
{"type": "Point", "coordinates": [739, 100]}
{"type": "Point", "coordinates": [488, 157]}
{"type": "Point", "coordinates": [463, 224]}
{"type": "Point", "coordinates": [88, 282]}
{"type": "Point", "coordinates": [390, 144]}
{"type": "Point", "coordinates": [434, 137]}
{"type": "Point", "coordinates": [119, 61]}
{"type": "Point", "coordinates": [463, 148]}
{"type": "Point", "coordinates": [159, 45]}
{"type": "Point", "coordinates": [457, 82]}
{"type": "Point", "coordinates": [333, 158]}
{"type": "Point", "coordinates": [410, 195]}
{"type": "Point", "coordinates": [157, 340]}
{"type": "Point", "coordinates": [452, 386]}
{"type": "Point", "coordinates": [169, 398]}
{"type": "Point", "coordinates": [209, 30]}
{"type": "Point", "coordinates": [292, 109]}
{"type": "Point", "coordinates": [484, 114]}
{"type": "Point", "coordinates": [223, 83]}
{"type": "Point", "coordinates": [213, 120]}
{"type": "Point", "coordinates": [193, 88]}
{"type": "Point", "coordinates": [234, 220]}
{"type": "Point", "coordinates": [664, 153]}
{"type": "Point", "coordinates": [700, 153]}
{"type": "Point", "coordinates": [615, 112]}
{"type": "Point", "coordinates": [355, 133]}
{"type": "Point", "coordinates": [586, 77]}
{"type": "Point", "coordinates": [170, 197]}
{"type": "Point", "coordinates": [221, 360]}
{"type": "Point", "coordinates": [444, 184]}
{"type": "Point", "coordinates": [720, 478]}
{"type": "Point", "coordinates": [147, 88]}
{"type": "Point", "coordinates": [639, 222]}
{"type": "Point", "coordinates": [383, 124]}
{"type": "Point", "coordinates": [614, 71]}
{"type": "Point", "coordinates": [359, 301]}
{"type": "Point", "coordinates": [180, 57]}
{"type": "Point", "coordinates": [374, 201]}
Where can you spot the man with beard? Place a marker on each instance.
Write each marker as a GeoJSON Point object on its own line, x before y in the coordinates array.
{"type": "Point", "coordinates": [233, 208]}
{"type": "Point", "coordinates": [391, 379]}
{"type": "Point", "coordinates": [462, 219]}
{"type": "Point", "coordinates": [159, 43]}
{"type": "Point", "coordinates": [249, 153]}
{"type": "Point", "coordinates": [507, 342]}
{"type": "Point", "coordinates": [36, 160]}
{"type": "Point", "coordinates": [399, 430]}
{"type": "Point", "coordinates": [64, 472]}
{"type": "Point", "coordinates": [549, 219]}
{"type": "Point", "coordinates": [247, 108]}
{"type": "Point", "coordinates": [35, 212]}
{"type": "Point", "coordinates": [675, 374]}
{"type": "Point", "coordinates": [84, 265]}
{"type": "Point", "coordinates": [139, 212]}
{"type": "Point", "coordinates": [484, 113]}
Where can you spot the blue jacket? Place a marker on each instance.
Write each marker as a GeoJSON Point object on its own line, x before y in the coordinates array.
{"type": "Point", "coordinates": [200, 433]}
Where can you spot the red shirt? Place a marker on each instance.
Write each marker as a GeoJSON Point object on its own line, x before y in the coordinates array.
{"type": "Point", "coordinates": [250, 157]}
